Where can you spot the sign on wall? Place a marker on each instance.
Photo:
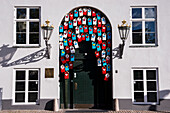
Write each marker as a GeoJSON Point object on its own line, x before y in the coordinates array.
{"type": "Point", "coordinates": [49, 72]}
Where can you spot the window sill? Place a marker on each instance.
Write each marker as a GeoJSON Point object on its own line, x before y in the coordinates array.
{"type": "Point", "coordinates": [25, 104]}
{"type": "Point", "coordinates": [144, 103]}
{"type": "Point", "coordinates": [26, 46]}
{"type": "Point", "coordinates": [142, 46]}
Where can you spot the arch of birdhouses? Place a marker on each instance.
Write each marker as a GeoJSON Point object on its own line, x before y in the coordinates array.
{"type": "Point", "coordinates": [85, 24]}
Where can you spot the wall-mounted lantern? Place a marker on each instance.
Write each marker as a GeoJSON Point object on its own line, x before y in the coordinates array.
{"type": "Point", "coordinates": [124, 32]}
{"type": "Point", "coordinates": [47, 31]}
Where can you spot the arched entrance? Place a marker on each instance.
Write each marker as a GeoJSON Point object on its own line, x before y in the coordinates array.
{"type": "Point", "coordinates": [85, 59]}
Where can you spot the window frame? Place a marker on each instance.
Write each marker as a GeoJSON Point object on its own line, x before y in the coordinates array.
{"type": "Point", "coordinates": [145, 85]}
{"type": "Point", "coordinates": [26, 86]}
{"type": "Point", "coordinates": [27, 20]}
{"type": "Point", "coordinates": [143, 20]}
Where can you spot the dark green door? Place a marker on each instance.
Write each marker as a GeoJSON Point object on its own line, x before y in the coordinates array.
{"type": "Point", "coordinates": [89, 88]}
{"type": "Point", "coordinates": [83, 76]}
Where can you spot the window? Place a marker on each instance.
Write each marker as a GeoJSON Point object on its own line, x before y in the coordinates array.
{"type": "Point", "coordinates": [143, 20]}
{"type": "Point", "coordinates": [26, 86]}
{"type": "Point", "coordinates": [27, 26]}
{"type": "Point", "coordinates": [145, 86]}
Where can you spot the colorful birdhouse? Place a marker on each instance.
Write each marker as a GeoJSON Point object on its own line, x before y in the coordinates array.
{"type": "Point", "coordinates": [94, 21]}
{"type": "Point", "coordinates": [76, 13]}
{"type": "Point", "coordinates": [81, 29]}
{"type": "Point", "coordinates": [93, 37]}
{"type": "Point", "coordinates": [65, 25]}
{"type": "Point", "coordinates": [80, 12]}
{"type": "Point", "coordinates": [93, 45]}
{"type": "Point", "coordinates": [74, 22]}
{"type": "Point", "coordinates": [84, 20]}
{"type": "Point", "coordinates": [70, 24]}
{"type": "Point", "coordinates": [73, 36]}
{"type": "Point", "coordinates": [77, 30]}
{"type": "Point", "coordinates": [87, 37]}
{"type": "Point", "coordinates": [99, 32]}
{"type": "Point", "coordinates": [89, 21]}
{"type": "Point", "coordinates": [71, 16]}
{"type": "Point", "coordinates": [66, 17]}
{"type": "Point", "coordinates": [65, 42]}
{"type": "Point", "coordinates": [61, 28]}
{"type": "Point", "coordinates": [90, 30]}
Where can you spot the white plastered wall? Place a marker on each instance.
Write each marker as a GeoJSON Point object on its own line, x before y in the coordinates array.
{"type": "Point", "coordinates": [116, 11]}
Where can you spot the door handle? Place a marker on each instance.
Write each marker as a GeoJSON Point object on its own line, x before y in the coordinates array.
{"type": "Point", "coordinates": [75, 75]}
{"type": "Point", "coordinates": [75, 86]}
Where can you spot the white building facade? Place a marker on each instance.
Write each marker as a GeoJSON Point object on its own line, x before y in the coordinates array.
{"type": "Point", "coordinates": [140, 80]}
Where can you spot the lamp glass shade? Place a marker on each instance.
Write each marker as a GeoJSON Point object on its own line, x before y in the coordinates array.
{"type": "Point", "coordinates": [47, 31]}
{"type": "Point", "coordinates": [124, 32]}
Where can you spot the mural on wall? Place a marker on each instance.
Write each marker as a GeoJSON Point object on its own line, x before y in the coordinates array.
{"type": "Point", "coordinates": [85, 24]}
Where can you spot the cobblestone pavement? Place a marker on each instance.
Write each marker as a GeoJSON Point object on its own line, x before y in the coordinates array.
{"type": "Point", "coordinates": [80, 111]}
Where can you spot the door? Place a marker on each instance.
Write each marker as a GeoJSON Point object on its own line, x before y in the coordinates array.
{"type": "Point", "coordinates": [89, 88]}
{"type": "Point", "coordinates": [84, 76]}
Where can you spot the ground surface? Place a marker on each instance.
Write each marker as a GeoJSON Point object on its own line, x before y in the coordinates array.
{"type": "Point", "coordinates": [80, 111]}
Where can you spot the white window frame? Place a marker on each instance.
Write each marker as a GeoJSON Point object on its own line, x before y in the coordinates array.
{"type": "Point", "coordinates": [27, 20]}
{"type": "Point", "coordinates": [145, 85]}
{"type": "Point", "coordinates": [143, 20]}
{"type": "Point", "coordinates": [26, 87]}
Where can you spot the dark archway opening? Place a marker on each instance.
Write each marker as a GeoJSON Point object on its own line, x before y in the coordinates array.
{"type": "Point", "coordinates": [86, 87]}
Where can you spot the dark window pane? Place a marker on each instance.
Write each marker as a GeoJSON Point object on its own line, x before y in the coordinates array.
{"type": "Point", "coordinates": [152, 97]}
{"type": "Point", "coordinates": [138, 74]}
{"type": "Point", "coordinates": [136, 26]}
{"type": "Point", "coordinates": [21, 13]}
{"type": "Point", "coordinates": [21, 26]}
{"type": "Point", "coordinates": [34, 38]}
{"type": "Point", "coordinates": [19, 97]}
{"type": "Point", "coordinates": [150, 26]}
{"type": "Point", "coordinates": [151, 74]}
{"type": "Point", "coordinates": [32, 96]}
{"type": "Point", "coordinates": [138, 86]}
{"type": "Point", "coordinates": [150, 38]}
{"type": "Point", "coordinates": [139, 96]}
{"type": "Point", "coordinates": [136, 12]}
{"type": "Point", "coordinates": [20, 75]}
{"type": "Point", "coordinates": [137, 38]}
{"type": "Point", "coordinates": [34, 13]}
{"type": "Point", "coordinates": [33, 75]}
{"type": "Point", "coordinates": [21, 38]}
{"type": "Point", "coordinates": [20, 86]}
{"type": "Point", "coordinates": [149, 12]}
{"type": "Point", "coordinates": [151, 85]}
{"type": "Point", "coordinates": [34, 26]}
{"type": "Point", "coordinates": [33, 86]}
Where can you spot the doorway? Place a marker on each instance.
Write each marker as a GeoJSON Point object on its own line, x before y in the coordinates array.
{"type": "Point", "coordinates": [89, 89]}
{"type": "Point", "coordinates": [86, 86]}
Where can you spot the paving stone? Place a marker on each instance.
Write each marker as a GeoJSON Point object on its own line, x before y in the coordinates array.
{"type": "Point", "coordinates": [80, 111]}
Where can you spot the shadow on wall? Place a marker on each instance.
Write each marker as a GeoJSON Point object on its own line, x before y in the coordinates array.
{"type": "Point", "coordinates": [49, 105]}
{"type": "Point", "coordinates": [6, 53]}
{"type": "Point", "coordinates": [162, 93]}
{"type": "Point", "coordinates": [116, 52]}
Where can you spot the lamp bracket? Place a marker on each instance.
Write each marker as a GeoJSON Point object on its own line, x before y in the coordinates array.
{"type": "Point", "coordinates": [121, 48]}
{"type": "Point", "coordinates": [48, 49]}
